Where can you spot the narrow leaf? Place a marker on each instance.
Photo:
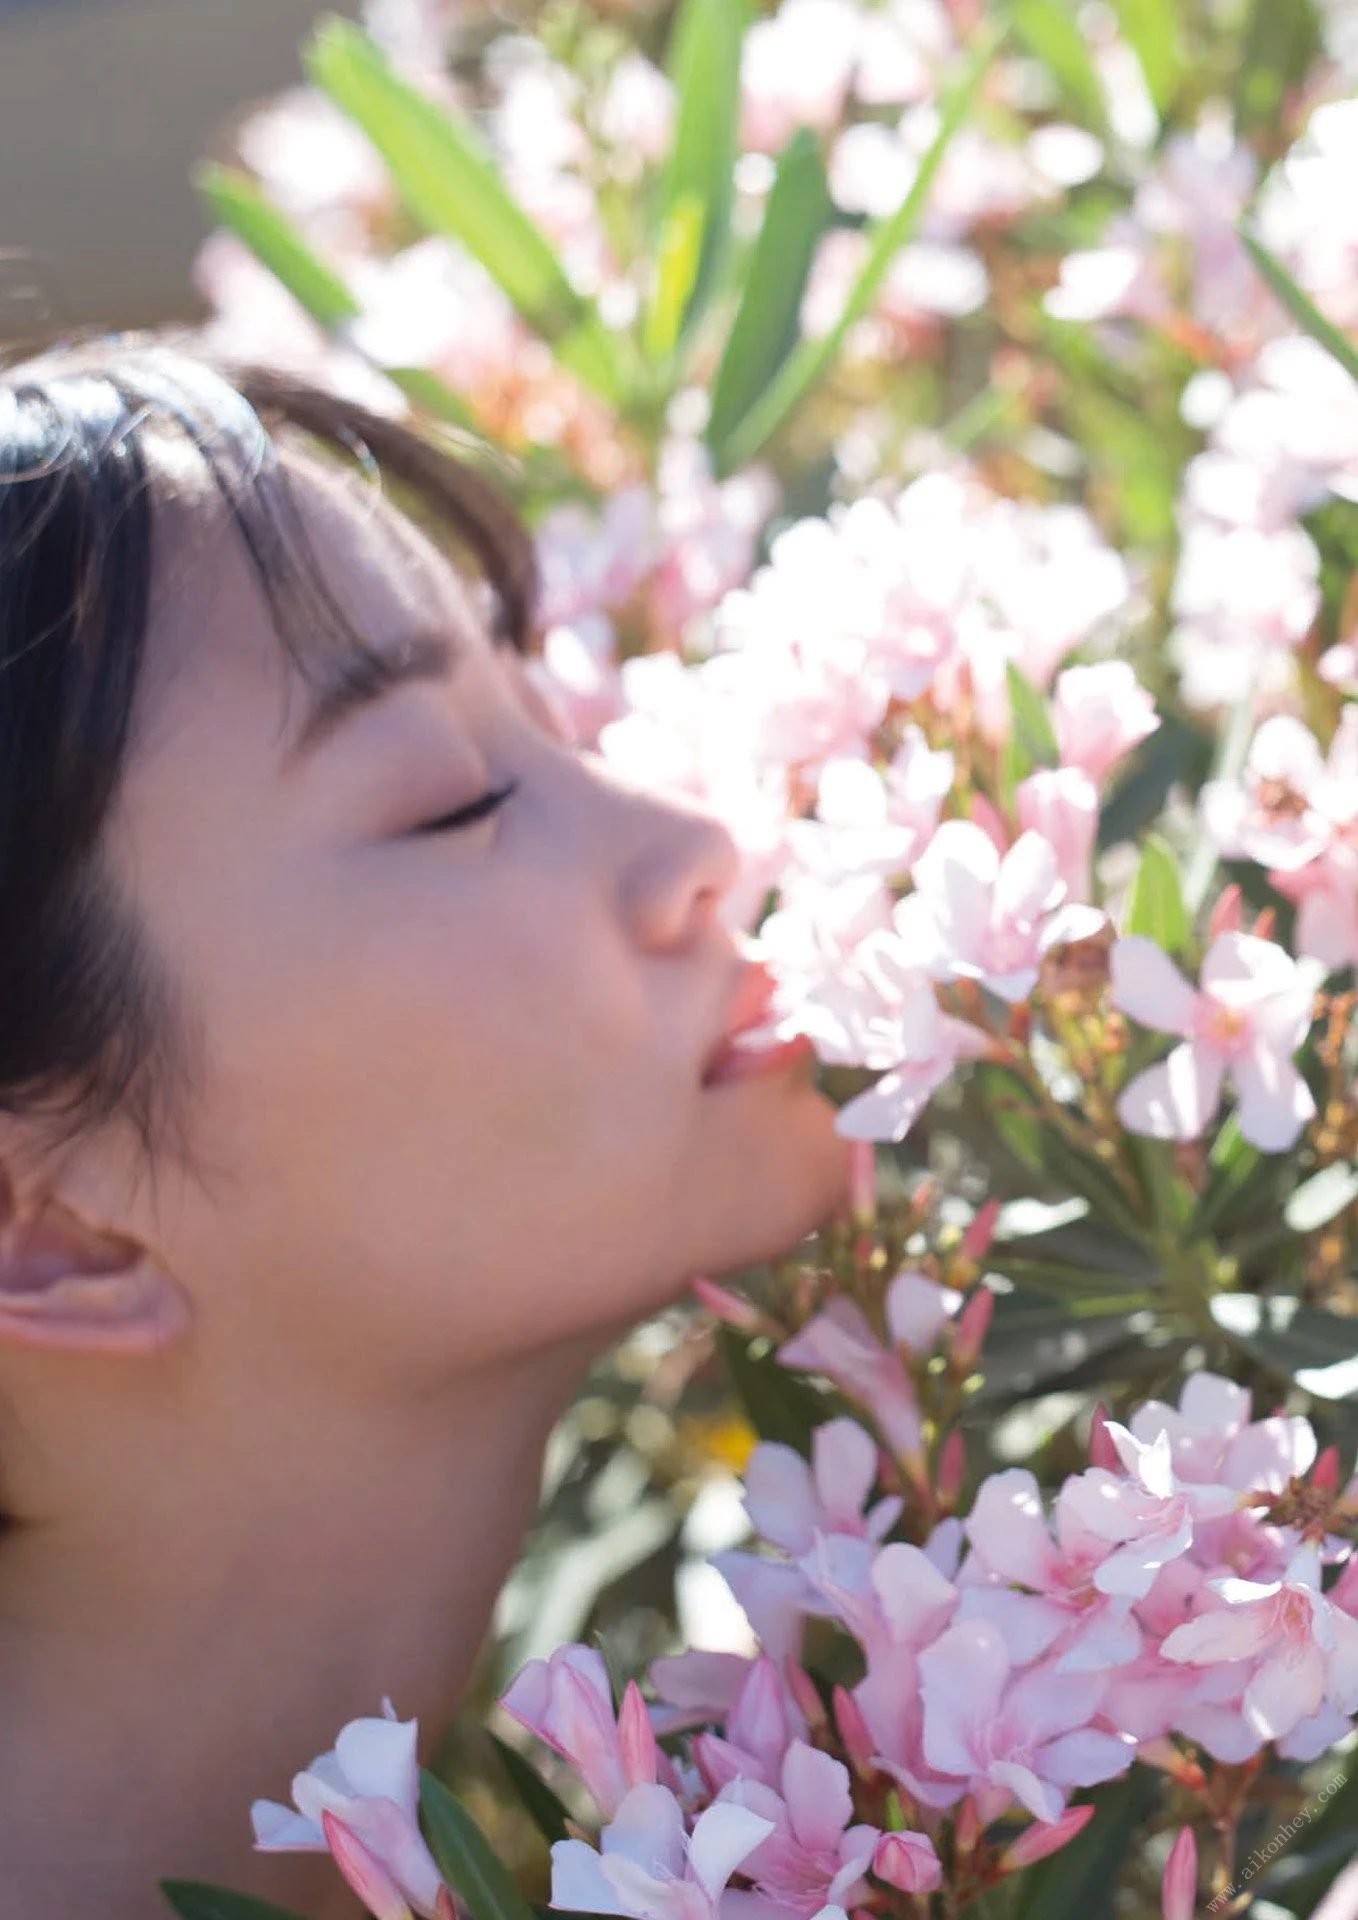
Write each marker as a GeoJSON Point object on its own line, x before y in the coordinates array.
{"type": "Point", "coordinates": [195, 1900]}
{"type": "Point", "coordinates": [1081, 1882]}
{"type": "Point", "coordinates": [465, 1857]}
{"type": "Point", "coordinates": [449, 181]}
{"type": "Point", "coordinates": [704, 68]}
{"type": "Point", "coordinates": [766, 326]}
{"type": "Point", "coordinates": [1301, 307]}
{"type": "Point", "coordinates": [1281, 45]}
{"type": "Point", "coordinates": [676, 273]}
{"type": "Point", "coordinates": [1031, 720]}
{"type": "Point", "coordinates": [807, 365]}
{"type": "Point", "coordinates": [239, 205]}
{"type": "Point", "coordinates": [1155, 903]}
{"type": "Point", "coordinates": [1048, 28]}
{"type": "Point", "coordinates": [542, 1806]}
{"type": "Point", "coordinates": [1152, 30]}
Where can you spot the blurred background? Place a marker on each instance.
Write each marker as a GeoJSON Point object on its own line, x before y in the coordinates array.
{"type": "Point", "coordinates": [105, 106]}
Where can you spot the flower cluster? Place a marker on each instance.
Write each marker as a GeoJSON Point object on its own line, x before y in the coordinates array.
{"type": "Point", "coordinates": [1188, 1596]}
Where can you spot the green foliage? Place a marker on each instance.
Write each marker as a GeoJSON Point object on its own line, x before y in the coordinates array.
{"type": "Point", "coordinates": [1032, 734]}
{"type": "Point", "coordinates": [812, 359]}
{"type": "Point", "coordinates": [195, 1900]}
{"type": "Point", "coordinates": [536, 1798]}
{"type": "Point", "coordinates": [1154, 30]}
{"type": "Point", "coordinates": [1049, 29]}
{"type": "Point", "coordinates": [240, 205]}
{"type": "Point", "coordinates": [1302, 309]}
{"type": "Point", "coordinates": [765, 328]}
{"type": "Point", "coordinates": [693, 205]}
{"type": "Point", "coordinates": [778, 1404]}
{"type": "Point", "coordinates": [449, 181]}
{"type": "Point", "coordinates": [465, 1858]}
{"type": "Point", "coordinates": [1155, 902]}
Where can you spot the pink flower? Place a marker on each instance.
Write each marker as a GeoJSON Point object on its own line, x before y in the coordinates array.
{"type": "Point", "coordinates": [1062, 805]}
{"type": "Point", "coordinates": [370, 1785]}
{"type": "Point", "coordinates": [814, 1856]}
{"type": "Point", "coordinates": [839, 1343]}
{"type": "Point", "coordinates": [975, 916]}
{"type": "Point", "coordinates": [1100, 713]}
{"type": "Point", "coordinates": [648, 1867]}
{"type": "Point", "coordinates": [789, 1503]}
{"type": "Point", "coordinates": [1305, 1650]}
{"type": "Point", "coordinates": [762, 1724]}
{"type": "Point", "coordinates": [1180, 1885]}
{"type": "Point", "coordinates": [567, 1702]}
{"type": "Point", "coordinates": [908, 1861]}
{"type": "Point", "coordinates": [1250, 1015]}
{"type": "Point", "coordinates": [1027, 1738]}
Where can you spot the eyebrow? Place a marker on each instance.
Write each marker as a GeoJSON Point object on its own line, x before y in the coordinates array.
{"type": "Point", "coordinates": [358, 679]}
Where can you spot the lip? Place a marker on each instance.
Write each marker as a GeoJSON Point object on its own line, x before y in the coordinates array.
{"type": "Point", "coordinates": [727, 1059]}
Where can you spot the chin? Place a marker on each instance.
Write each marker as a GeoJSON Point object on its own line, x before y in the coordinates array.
{"type": "Point", "coordinates": [781, 1183]}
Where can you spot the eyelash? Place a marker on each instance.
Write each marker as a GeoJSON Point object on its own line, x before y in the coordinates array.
{"type": "Point", "coordinates": [467, 816]}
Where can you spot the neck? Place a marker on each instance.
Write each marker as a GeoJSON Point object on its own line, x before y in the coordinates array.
{"type": "Point", "coordinates": [163, 1667]}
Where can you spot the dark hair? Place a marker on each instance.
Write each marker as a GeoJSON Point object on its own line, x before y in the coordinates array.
{"type": "Point", "coordinates": [91, 1026]}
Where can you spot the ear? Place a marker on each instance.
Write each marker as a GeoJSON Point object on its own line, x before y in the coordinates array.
{"type": "Point", "coordinates": [67, 1285]}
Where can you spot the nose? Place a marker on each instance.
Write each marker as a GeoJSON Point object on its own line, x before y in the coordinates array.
{"type": "Point", "coordinates": [678, 872]}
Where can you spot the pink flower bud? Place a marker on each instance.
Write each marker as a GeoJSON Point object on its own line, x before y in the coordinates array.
{"type": "Point", "coordinates": [952, 1467]}
{"type": "Point", "coordinates": [1325, 1472]}
{"type": "Point", "coordinates": [726, 1306]}
{"type": "Point", "coordinates": [908, 1861]}
{"type": "Point", "coordinates": [363, 1871]}
{"type": "Point", "coordinates": [853, 1732]}
{"type": "Point", "coordinates": [636, 1739]}
{"type": "Point", "coordinates": [863, 1181]}
{"type": "Point", "coordinates": [1227, 914]}
{"type": "Point", "coordinates": [973, 1324]}
{"type": "Point", "coordinates": [967, 1827]}
{"type": "Point", "coordinates": [446, 1907]}
{"type": "Point", "coordinates": [1045, 1837]}
{"type": "Point", "coordinates": [806, 1694]}
{"type": "Point", "coordinates": [1102, 1452]}
{"type": "Point", "coordinates": [1179, 1889]}
{"type": "Point", "coordinates": [978, 1236]}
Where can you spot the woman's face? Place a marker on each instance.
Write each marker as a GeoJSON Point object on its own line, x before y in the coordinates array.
{"type": "Point", "coordinates": [452, 1079]}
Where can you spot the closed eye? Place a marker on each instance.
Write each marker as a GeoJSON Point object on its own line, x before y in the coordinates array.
{"type": "Point", "coordinates": [469, 815]}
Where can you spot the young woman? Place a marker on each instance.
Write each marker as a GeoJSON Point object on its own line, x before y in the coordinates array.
{"type": "Point", "coordinates": [356, 1036]}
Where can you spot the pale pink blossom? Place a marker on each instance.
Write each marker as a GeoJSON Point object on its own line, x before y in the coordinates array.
{"type": "Point", "coordinates": [567, 1701]}
{"type": "Point", "coordinates": [1251, 1013]}
{"type": "Point", "coordinates": [1099, 713]}
{"type": "Point", "coordinates": [1062, 805]}
{"type": "Point", "coordinates": [977, 916]}
{"type": "Point", "coordinates": [1271, 814]}
{"type": "Point", "coordinates": [1303, 1650]}
{"type": "Point", "coordinates": [789, 1503]}
{"type": "Point", "coordinates": [816, 1854]}
{"type": "Point", "coordinates": [764, 1720]}
{"type": "Point", "coordinates": [649, 1867]}
{"type": "Point", "coordinates": [874, 821]}
{"type": "Point", "coordinates": [370, 1784]}
{"type": "Point", "coordinates": [839, 1343]}
{"type": "Point", "coordinates": [1026, 1737]}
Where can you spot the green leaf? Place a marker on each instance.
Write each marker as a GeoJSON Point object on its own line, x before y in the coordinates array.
{"type": "Point", "coordinates": [449, 181]}
{"type": "Point", "coordinates": [239, 205]}
{"type": "Point", "coordinates": [766, 326]}
{"type": "Point", "coordinates": [811, 360]}
{"type": "Point", "coordinates": [1302, 309]}
{"type": "Point", "coordinates": [1032, 726]}
{"type": "Point", "coordinates": [1048, 29]}
{"type": "Point", "coordinates": [1173, 754]}
{"type": "Point", "coordinates": [1151, 29]}
{"type": "Point", "coordinates": [1155, 903]}
{"type": "Point", "coordinates": [465, 1858]}
{"type": "Point", "coordinates": [547, 1813]}
{"type": "Point", "coordinates": [676, 271]}
{"type": "Point", "coordinates": [1234, 1169]}
{"type": "Point", "coordinates": [195, 1900]}
{"type": "Point", "coordinates": [704, 68]}
{"type": "Point", "coordinates": [1280, 48]}
{"type": "Point", "coordinates": [1316, 1201]}
{"type": "Point", "coordinates": [778, 1403]}
{"type": "Point", "coordinates": [1034, 1340]}
{"type": "Point", "coordinates": [1293, 1341]}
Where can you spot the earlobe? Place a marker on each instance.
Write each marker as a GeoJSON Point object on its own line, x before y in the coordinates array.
{"type": "Point", "coordinates": [63, 1285]}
